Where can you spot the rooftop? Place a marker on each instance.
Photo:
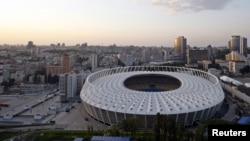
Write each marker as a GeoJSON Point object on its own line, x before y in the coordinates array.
{"type": "Point", "coordinates": [107, 91]}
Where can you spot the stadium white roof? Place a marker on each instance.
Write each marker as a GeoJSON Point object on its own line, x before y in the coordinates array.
{"type": "Point", "coordinates": [109, 93]}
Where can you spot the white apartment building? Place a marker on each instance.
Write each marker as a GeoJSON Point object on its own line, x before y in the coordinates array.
{"type": "Point", "coordinates": [145, 56]}
{"type": "Point", "coordinates": [19, 76]}
{"type": "Point", "coordinates": [70, 84]}
{"type": "Point", "coordinates": [94, 61]}
{"type": "Point", "coordinates": [63, 84]}
{"type": "Point", "coordinates": [236, 61]}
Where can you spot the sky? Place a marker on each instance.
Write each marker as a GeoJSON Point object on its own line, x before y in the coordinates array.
{"type": "Point", "coordinates": [123, 22]}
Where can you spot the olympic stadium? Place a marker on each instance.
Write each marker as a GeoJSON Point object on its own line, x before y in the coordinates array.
{"type": "Point", "coordinates": [183, 94]}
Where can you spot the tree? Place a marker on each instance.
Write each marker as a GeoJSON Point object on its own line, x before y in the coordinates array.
{"type": "Point", "coordinates": [52, 79]}
{"type": "Point", "coordinates": [164, 128]}
{"type": "Point", "coordinates": [157, 127]}
{"type": "Point", "coordinates": [90, 130]}
{"type": "Point", "coordinates": [113, 131]}
{"type": "Point", "coordinates": [220, 54]}
{"type": "Point", "coordinates": [188, 135]}
{"type": "Point", "coordinates": [199, 133]}
{"type": "Point", "coordinates": [26, 78]}
{"type": "Point", "coordinates": [6, 85]}
{"type": "Point", "coordinates": [55, 79]}
{"type": "Point", "coordinates": [214, 65]}
{"type": "Point", "coordinates": [35, 79]}
{"type": "Point", "coordinates": [134, 125]}
{"type": "Point", "coordinates": [131, 124]}
{"type": "Point", "coordinates": [217, 121]}
{"type": "Point", "coordinates": [170, 128]}
{"type": "Point", "coordinates": [244, 70]}
{"type": "Point", "coordinates": [41, 72]}
{"type": "Point", "coordinates": [180, 132]}
{"type": "Point", "coordinates": [49, 78]}
{"type": "Point", "coordinates": [12, 81]}
{"type": "Point", "coordinates": [120, 63]}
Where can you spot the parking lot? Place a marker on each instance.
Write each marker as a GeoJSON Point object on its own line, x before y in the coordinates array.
{"type": "Point", "coordinates": [66, 116]}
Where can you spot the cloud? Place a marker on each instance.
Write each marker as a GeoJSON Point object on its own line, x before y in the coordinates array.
{"type": "Point", "coordinates": [176, 6]}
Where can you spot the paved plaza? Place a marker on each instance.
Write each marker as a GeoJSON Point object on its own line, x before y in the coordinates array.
{"type": "Point", "coordinates": [24, 108]}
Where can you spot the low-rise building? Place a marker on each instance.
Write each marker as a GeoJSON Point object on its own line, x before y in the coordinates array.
{"type": "Point", "coordinates": [214, 71]}
{"type": "Point", "coordinates": [235, 66]}
{"type": "Point", "coordinates": [235, 56]}
{"type": "Point", "coordinates": [194, 55]}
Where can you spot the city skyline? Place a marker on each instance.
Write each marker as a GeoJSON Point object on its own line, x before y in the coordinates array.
{"type": "Point", "coordinates": [123, 22]}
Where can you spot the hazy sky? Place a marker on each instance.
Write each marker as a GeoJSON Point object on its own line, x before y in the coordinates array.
{"type": "Point", "coordinates": [123, 22]}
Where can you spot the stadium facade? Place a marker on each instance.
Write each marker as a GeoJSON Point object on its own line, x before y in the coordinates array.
{"type": "Point", "coordinates": [184, 94]}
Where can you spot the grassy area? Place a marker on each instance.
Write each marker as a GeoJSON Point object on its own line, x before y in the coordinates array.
{"type": "Point", "coordinates": [141, 135]}
{"type": "Point", "coordinates": [7, 135]}
{"type": "Point", "coordinates": [49, 135]}
{"type": "Point", "coordinates": [62, 135]}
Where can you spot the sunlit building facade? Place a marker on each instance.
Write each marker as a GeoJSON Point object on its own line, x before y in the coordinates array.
{"type": "Point", "coordinates": [64, 67]}
{"type": "Point", "coordinates": [180, 47]}
{"type": "Point", "coordinates": [238, 43]}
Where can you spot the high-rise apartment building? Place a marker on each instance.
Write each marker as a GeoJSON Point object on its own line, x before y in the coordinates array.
{"type": "Point", "coordinates": [65, 66]}
{"type": "Point", "coordinates": [70, 84]}
{"type": "Point", "coordinates": [63, 84]}
{"type": "Point", "coordinates": [210, 52]}
{"type": "Point", "coordinates": [238, 43]}
{"type": "Point", "coordinates": [65, 63]}
{"type": "Point", "coordinates": [180, 47]}
{"type": "Point", "coordinates": [94, 61]}
{"type": "Point", "coordinates": [145, 56]}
